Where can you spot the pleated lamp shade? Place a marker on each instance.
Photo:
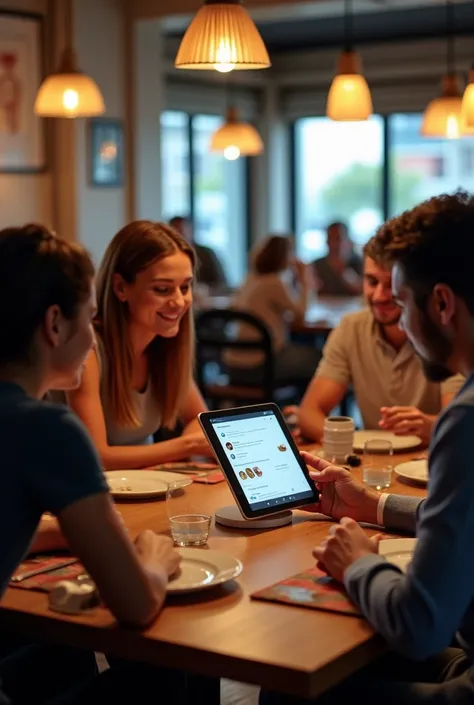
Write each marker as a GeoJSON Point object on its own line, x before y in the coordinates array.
{"type": "Point", "coordinates": [349, 97]}
{"type": "Point", "coordinates": [443, 117]}
{"type": "Point", "coordinates": [236, 138]}
{"type": "Point", "coordinates": [468, 102]}
{"type": "Point", "coordinates": [222, 37]}
{"type": "Point", "coordinates": [69, 93]}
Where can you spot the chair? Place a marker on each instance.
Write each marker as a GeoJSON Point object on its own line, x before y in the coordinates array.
{"type": "Point", "coordinates": [216, 333]}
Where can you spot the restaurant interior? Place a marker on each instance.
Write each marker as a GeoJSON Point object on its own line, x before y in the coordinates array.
{"type": "Point", "coordinates": [316, 114]}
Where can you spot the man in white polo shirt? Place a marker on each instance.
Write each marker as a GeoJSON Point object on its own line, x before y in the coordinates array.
{"type": "Point", "coordinates": [369, 351]}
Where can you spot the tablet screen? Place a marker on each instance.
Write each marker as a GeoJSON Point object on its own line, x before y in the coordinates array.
{"type": "Point", "coordinates": [261, 458]}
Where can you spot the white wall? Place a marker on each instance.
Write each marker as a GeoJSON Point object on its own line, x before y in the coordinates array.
{"type": "Point", "coordinates": [26, 197]}
{"type": "Point", "coordinates": [99, 30]}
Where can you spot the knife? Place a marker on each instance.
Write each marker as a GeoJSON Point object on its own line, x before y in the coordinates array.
{"type": "Point", "coordinates": [38, 571]}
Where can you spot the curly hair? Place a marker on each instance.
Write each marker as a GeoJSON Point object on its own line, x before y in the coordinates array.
{"type": "Point", "coordinates": [433, 243]}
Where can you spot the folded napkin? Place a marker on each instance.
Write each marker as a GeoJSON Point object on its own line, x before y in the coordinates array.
{"type": "Point", "coordinates": [45, 582]}
{"type": "Point", "coordinates": [313, 589]}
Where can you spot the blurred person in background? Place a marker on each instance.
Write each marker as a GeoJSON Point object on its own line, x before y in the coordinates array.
{"type": "Point", "coordinates": [209, 270]}
{"type": "Point", "coordinates": [339, 273]}
{"type": "Point", "coordinates": [267, 295]}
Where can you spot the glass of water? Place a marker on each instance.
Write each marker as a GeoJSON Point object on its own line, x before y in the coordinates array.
{"type": "Point", "coordinates": [377, 464]}
{"type": "Point", "coordinates": [188, 527]}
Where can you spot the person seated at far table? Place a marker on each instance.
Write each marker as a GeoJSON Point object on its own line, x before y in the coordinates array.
{"type": "Point", "coordinates": [50, 465]}
{"type": "Point", "coordinates": [370, 351]}
{"type": "Point", "coordinates": [138, 379]}
{"type": "Point", "coordinates": [339, 273]}
{"type": "Point", "coordinates": [266, 295]}
{"type": "Point", "coordinates": [209, 269]}
{"type": "Point", "coordinates": [419, 613]}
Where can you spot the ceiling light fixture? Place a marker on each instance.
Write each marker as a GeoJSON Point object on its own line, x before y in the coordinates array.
{"type": "Point", "coordinates": [349, 97]}
{"type": "Point", "coordinates": [69, 93]}
{"type": "Point", "coordinates": [236, 138]}
{"type": "Point", "coordinates": [442, 117]}
{"type": "Point", "coordinates": [222, 37]}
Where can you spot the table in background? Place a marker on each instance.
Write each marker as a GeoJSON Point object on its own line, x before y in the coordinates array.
{"type": "Point", "coordinates": [322, 315]}
{"type": "Point", "coordinates": [223, 633]}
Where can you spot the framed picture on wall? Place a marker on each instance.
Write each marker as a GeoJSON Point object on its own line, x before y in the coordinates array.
{"type": "Point", "coordinates": [22, 138]}
{"type": "Point", "coordinates": [106, 149]}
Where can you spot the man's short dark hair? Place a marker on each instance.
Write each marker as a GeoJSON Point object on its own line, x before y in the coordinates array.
{"type": "Point", "coordinates": [433, 243]}
{"type": "Point", "coordinates": [338, 224]}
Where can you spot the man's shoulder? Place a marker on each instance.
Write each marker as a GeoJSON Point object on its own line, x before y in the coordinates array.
{"type": "Point", "coordinates": [358, 323]}
{"type": "Point", "coordinates": [460, 409]}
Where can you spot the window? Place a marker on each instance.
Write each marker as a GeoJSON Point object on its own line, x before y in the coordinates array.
{"type": "Point", "coordinates": [420, 168]}
{"type": "Point", "coordinates": [339, 176]}
{"type": "Point", "coordinates": [219, 200]}
{"type": "Point", "coordinates": [175, 182]}
{"type": "Point", "coordinates": [207, 187]}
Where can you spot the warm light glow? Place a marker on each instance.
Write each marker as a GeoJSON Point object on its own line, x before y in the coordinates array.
{"type": "Point", "coordinates": [108, 151]}
{"type": "Point", "coordinates": [225, 55]}
{"type": "Point", "coordinates": [223, 37]}
{"type": "Point", "coordinates": [236, 138]}
{"type": "Point", "coordinates": [70, 100]}
{"type": "Point", "coordinates": [443, 116]}
{"type": "Point", "coordinates": [68, 92]}
{"type": "Point", "coordinates": [349, 97]}
{"type": "Point", "coordinates": [468, 102]}
{"type": "Point", "coordinates": [232, 153]}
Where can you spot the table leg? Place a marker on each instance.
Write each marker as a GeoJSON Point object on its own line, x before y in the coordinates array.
{"type": "Point", "coordinates": [202, 689]}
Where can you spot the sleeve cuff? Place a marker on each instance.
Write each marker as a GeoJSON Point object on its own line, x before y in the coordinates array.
{"type": "Point", "coordinates": [380, 508]}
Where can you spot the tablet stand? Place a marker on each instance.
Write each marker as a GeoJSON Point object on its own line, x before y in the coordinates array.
{"type": "Point", "coordinates": [232, 517]}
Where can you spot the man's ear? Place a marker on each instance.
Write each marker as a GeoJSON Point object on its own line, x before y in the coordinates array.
{"type": "Point", "coordinates": [444, 302]}
{"type": "Point", "coordinates": [52, 325]}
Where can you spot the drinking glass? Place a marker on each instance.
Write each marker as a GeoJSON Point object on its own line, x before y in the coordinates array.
{"type": "Point", "coordinates": [377, 464]}
{"type": "Point", "coordinates": [188, 526]}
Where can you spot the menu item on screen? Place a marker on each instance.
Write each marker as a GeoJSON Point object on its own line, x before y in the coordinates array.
{"type": "Point", "coordinates": [265, 466]}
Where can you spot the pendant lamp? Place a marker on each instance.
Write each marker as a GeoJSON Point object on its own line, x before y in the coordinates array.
{"type": "Point", "coordinates": [69, 93]}
{"type": "Point", "coordinates": [222, 37]}
{"type": "Point", "coordinates": [349, 97]}
{"type": "Point", "coordinates": [442, 117]}
{"type": "Point", "coordinates": [236, 138]}
{"type": "Point", "coordinates": [468, 102]}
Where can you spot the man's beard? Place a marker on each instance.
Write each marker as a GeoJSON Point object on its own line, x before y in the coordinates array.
{"type": "Point", "coordinates": [436, 369]}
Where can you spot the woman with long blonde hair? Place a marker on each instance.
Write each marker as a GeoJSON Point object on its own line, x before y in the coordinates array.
{"type": "Point", "coordinates": [138, 378]}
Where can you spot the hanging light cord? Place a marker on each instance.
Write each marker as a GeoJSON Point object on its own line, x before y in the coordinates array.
{"type": "Point", "coordinates": [348, 25]}
{"type": "Point", "coordinates": [450, 39]}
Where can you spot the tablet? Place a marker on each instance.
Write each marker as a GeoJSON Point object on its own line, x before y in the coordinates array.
{"type": "Point", "coordinates": [259, 459]}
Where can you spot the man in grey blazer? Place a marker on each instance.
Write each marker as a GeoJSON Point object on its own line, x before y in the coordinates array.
{"type": "Point", "coordinates": [420, 614]}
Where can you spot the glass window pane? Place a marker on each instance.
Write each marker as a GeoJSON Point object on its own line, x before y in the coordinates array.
{"type": "Point", "coordinates": [175, 190]}
{"type": "Point", "coordinates": [339, 172]}
{"type": "Point", "coordinates": [219, 200]}
{"type": "Point", "coordinates": [421, 167]}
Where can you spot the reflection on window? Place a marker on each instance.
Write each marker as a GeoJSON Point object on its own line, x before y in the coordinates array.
{"type": "Point", "coordinates": [219, 200]}
{"type": "Point", "coordinates": [175, 189]}
{"type": "Point", "coordinates": [420, 168]}
{"type": "Point", "coordinates": [339, 170]}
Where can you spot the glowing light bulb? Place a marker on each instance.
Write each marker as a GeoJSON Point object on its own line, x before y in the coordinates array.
{"type": "Point", "coordinates": [224, 58]}
{"type": "Point", "coordinates": [453, 127]}
{"type": "Point", "coordinates": [70, 100]}
{"type": "Point", "coordinates": [232, 153]}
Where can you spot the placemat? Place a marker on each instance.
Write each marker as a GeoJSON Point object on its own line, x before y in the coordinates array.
{"type": "Point", "coordinates": [45, 582]}
{"type": "Point", "coordinates": [313, 589]}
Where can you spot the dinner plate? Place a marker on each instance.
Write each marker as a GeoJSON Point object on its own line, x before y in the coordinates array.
{"type": "Point", "coordinates": [142, 484]}
{"type": "Point", "coordinates": [413, 470]}
{"type": "Point", "coordinates": [398, 551]}
{"type": "Point", "coordinates": [201, 569]}
{"type": "Point", "coordinates": [398, 442]}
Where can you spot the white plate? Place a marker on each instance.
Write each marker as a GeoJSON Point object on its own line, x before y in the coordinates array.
{"type": "Point", "coordinates": [413, 470]}
{"type": "Point", "coordinates": [398, 551]}
{"type": "Point", "coordinates": [398, 442]}
{"type": "Point", "coordinates": [201, 569]}
{"type": "Point", "coordinates": [142, 484]}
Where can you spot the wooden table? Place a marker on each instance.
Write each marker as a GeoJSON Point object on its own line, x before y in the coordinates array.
{"type": "Point", "coordinates": [322, 315]}
{"type": "Point", "coordinates": [222, 633]}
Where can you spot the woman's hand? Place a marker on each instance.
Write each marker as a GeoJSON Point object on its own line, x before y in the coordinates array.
{"type": "Point", "coordinates": [346, 543]}
{"type": "Point", "coordinates": [341, 495]}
